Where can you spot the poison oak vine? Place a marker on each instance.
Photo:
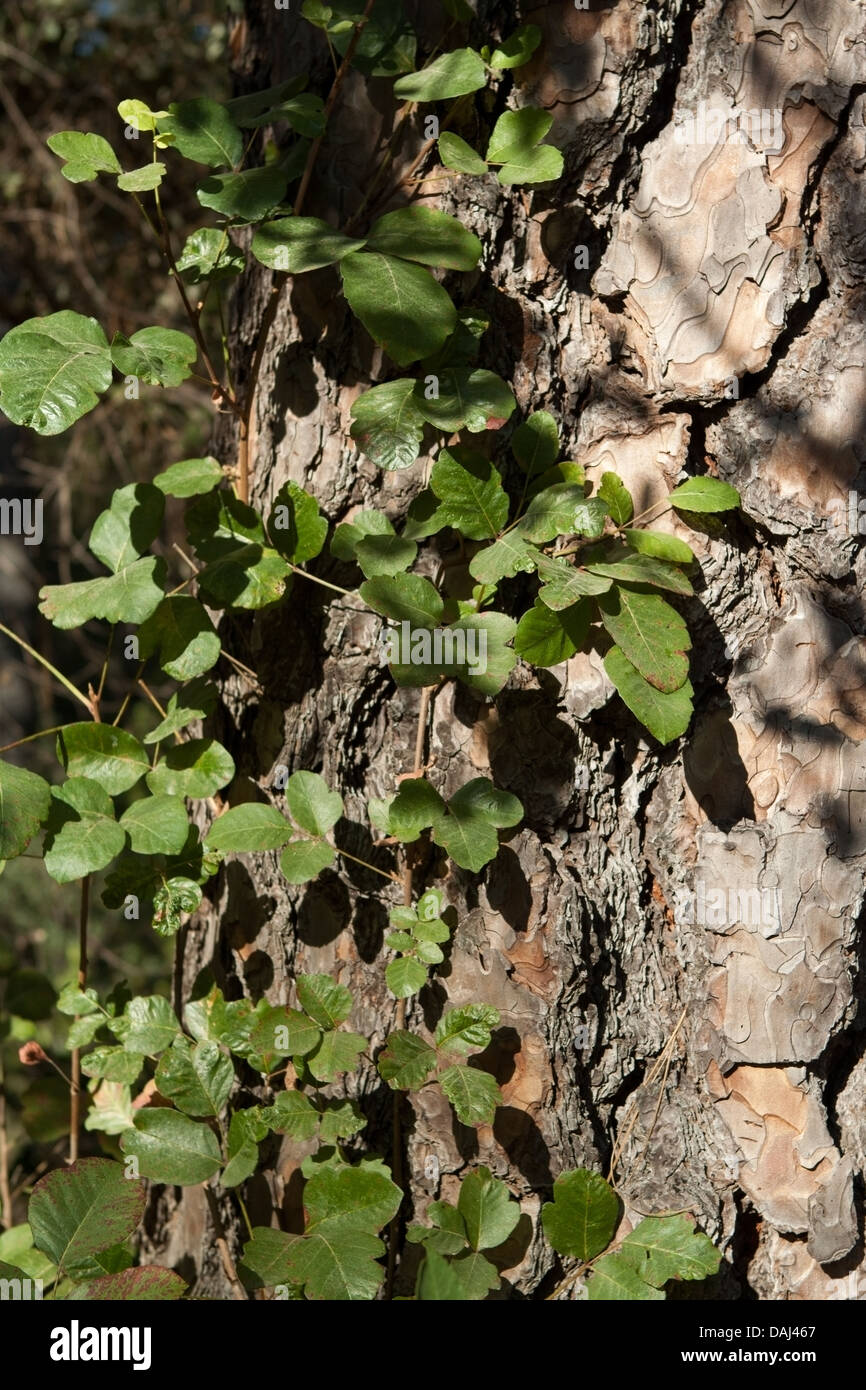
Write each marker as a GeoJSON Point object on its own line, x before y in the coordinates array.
{"type": "Point", "coordinates": [599, 576]}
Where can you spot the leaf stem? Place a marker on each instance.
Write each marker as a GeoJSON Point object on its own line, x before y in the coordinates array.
{"type": "Point", "coordinates": [395, 878]}
{"type": "Point", "coordinates": [43, 661]}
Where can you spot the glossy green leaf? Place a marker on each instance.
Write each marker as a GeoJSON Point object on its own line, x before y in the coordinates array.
{"type": "Point", "coordinates": [197, 768]}
{"type": "Point", "coordinates": [126, 529]}
{"type": "Point", "coordinates": [582, 1218]}
{"type": "Point", "coordinates": [130, 596]}
{"type": "Point", "coordinates": [312, 804]}
{"type": "Point", "coordinates": [471, 492]}
{"type": "Point", "coordinates": [614, 1279]}
{"type": "Point", "coordinates": [113, 1064]}
{"type": "Point", "coordinates": [704, 495]}
{"type": "Point", "coordinates": [545, 637]}
{"type": "Point", "coordinates": [404, 598]}
{"type": "Point", "coordinates": [109, 756]}
{"type": "Point", "coordinates": [439, 1282]}
{"type": "Point", "coordinates": [337, 1052]}
{"type": "Point", "coordinates": [175, 899]}
{"type": "Point", "coordinates": [488, 1211]}
{"type": "Point", "coordinates": [203, 131]}
{"type": "Point", "coordinates": [518, 48]}
{"type": "Point", "coordinates": [651, 634]}
{"type": "Point", "coordinates": [660, 545]}
{"type": "Point", "coordinates": [86, 155]}
{"type": "Point", "coordinates": [52, 370]}
{"type": "Point", "coordinates": [248, 829]}
{"type": "Point", "coordinates": [474, 400]}
{"type": "Point", "coordinates": [475, 812]}
{"type": "Point", "coordinates": [81, 832]}
{"type": "Point", "coordinates": [142, 180]}
{"type": "Point", "coordinates": [198, 1077]}
{"type": "Point", "coordinates": [535, 443]}
{"type": "Point", "coordinates": [406, 1061]}
{"type": "Point", "coordinates": [405, 976]}
{"type": "Point", "coordinates": [614, 492]}
{"type": "Point", "coordinates": [77, 1211]}
{"type": "Point", "coordinates": [148, 1024]}
{"type": "Point", "coordinates": [327, 1002]}
{"type": "Point", "coordinates": [295, 524]}
{"type": "Point", "coordinates": [266, 1255]}
{"type": "Point", "coordinates": [416, 805]}
{"type": "Point", "coordinates": [425, 235]}
{"type": "Point", "coordinates": [293, 1113]}
{"type": "Point", "coordinates": [503, 559]}
{"type": "Point", "coordinates": [402, 307]}
{"type": "Point", "coordinates": [466, 1029]}
{"type": "Point", "coordinates": [209, 254]}
{"type": "Point", "coordinates": [452, 75]}
{"type": "Point", "coordinates": [473, 1093]}
{"type": "Point", "coordinates": [139, 115]}
{"type": "Point", "coordinates": [642, 569]}
{"type": "Point", "coordinates": [515, 144]}
{"type": "Point", "coordinates": [171, 1148]}
{"type": "Point", "coordinates": [562, 511]}
{"type": "Point", "coordinates": [564, 584]}
{"type": "Point", "coordinates": [384, 555]}
{"type": "Point", "coordinates": [474, 650]}
{"type": "Point", "coordinates": [335, 1259]}
{"type": "Point", "coordinates": [149, 1284]}
{"type": "Point", "coordinates": [297, 244]}
{"type": "Point", "coordinates": [183, 634]}
{"type": "Point", "coordinates": [189, 477]}
{"type": "Point", "coordinates": [305, 859]}
{"type": "Point", "coordinates": [245, 197]}
{"type": "Point", "coordinates": [156, 825]}
{"type": "Point", "coordinates": [668, 1247]}
{"type": "Point", "coordinates": [25, 800]}
{"type": "Point", "coordinates": [159, 356]}
{"type": "Point", "coordinates": [284, 1032]}
{"type": "Point", "coordinates": [457, 154]}
{"type": "Point", "coordinates": [387, 424]}
{"type": "Point", "coordinates": [253, 576]}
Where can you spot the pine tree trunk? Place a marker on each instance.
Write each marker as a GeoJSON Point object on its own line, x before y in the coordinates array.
{"type": "Point", "coordinates": [670, 936]}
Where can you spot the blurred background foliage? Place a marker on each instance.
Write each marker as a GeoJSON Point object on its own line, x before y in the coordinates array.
{"type": "Point", "coordinates": [64, 65]}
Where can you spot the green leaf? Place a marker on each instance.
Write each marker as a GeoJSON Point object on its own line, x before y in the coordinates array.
{"type": "Point", "coordinates": [147, 1024]}
{"type": "Point", "coordinates": [326, 1002]}
{"type": "Point", "coordinates": [384, 555]}
{"type": "Point", "coordinates": [514, 144]}
{"type": "Point", "coordinates": [284, 1032]}
{"type": "Point", "coordinates": [406, 1061]}
{"type": "Point", "coordinates": [473, 499]}
{"type": "Point", "coordinates": [518, 48]}
{"type": "Point", "coordinates": [341, 1120]}
{"type": "Point", "coordinates": [147, 1285]}
{"type": "Point", "coordinates": [466, 1029]}
{"type": "Point", "coordinates": [76, 1212]}
{"type": "Point", "coordinates": [198, 1078]}
{"type": "Point", "coordinates": [159, 356]}
{"type": "Point", "coordinates": [113, 1064]}
{"type": "Point", "coordinates": [203, 131]}
{"type": "Point", "coordinates": [562, 511]}
{"type": "Point", "coordinates": [456, 154]}
{"type": "Point", "coordinates": [297, 244]}
{"type": "Point", "coordinates": [660, 545]}
{"type": "Point", "coordinates": [475, 400]}
{"type": "Point", "coordinates": [266, 1254]}
{"type": "Point", "coordinates": [126, 529]}
{"type": "Point", "coordinates": [582, 1218]}
{"type": "Point", "coordinates": [564, 585]}
{"type": "Point", "coordinates": [129, 596]}
{"type": "Point", "coordinates": [642, 569]}
{"type": "Point", "coordinates": [75, 1002]}
{"type": "Point", "coordinates": [295, 525]}
{"type": "Point", "coordinates": [25, 800]}
{"type": "Point", "coordinates": [156, 825]}
{"type": "Point", "coordinates": [335, 1257]}
{"type": "Point", "coordinates": [293, 1113]}
{"type": "Point", "coordinates": [613, 1278]}
{"type": "Point", "coordinates": [305, 859]}
{"type": "Point", "coordinates": [139, 115]}
{"type": "Point", "coordinates": [312, 804]}
{"type": "Point", "coordinates": [142, 180]}
{"type": "Point", "coordinates": [438, 1281]}
{"type": "Point", "coordinates": [619, 501]}
{"type": "Point", "coordinates": [184, 635]}
{"type": "Point", "coordinates": [246, 110]}
{"type": "Point", "coordinates": [487, 1209]}
{"type": "Point", "coordinates": [704, 495]}
{"type": "Point", "coordinates": [503, 559]}
{"type": "Point", "coordinates": [422, 234]}
{"type": "Point", "coordinates": [415, 806]}
{"type": "Point", "coordinates": [404, 598]}
{"type": "Point", "coordinates": [452, 75]}
{"type": "Point", "coordinates": [85, 155]}
{"type": "Point", "coordinates": [535, 443]}
{"type": "Point", "coordinates": [197, 768]}
{"type": "Point", "coordinates": [248, 829]}
{"type": "Point", "coordinates": [475, 812]}
{"type": "Point", "coordinates": [81, 832]}
{"type": "Point", "coordinates": [336, 1053]}
{"type": "Point", "coordinates": [252, 576]}
{"type": "Point", "coordinates": [244, 197]}
{"type": "Point", "coordinates": [668, 1247]}
{"type": "Point", "coordinates": [387, 424]}
{"type": "Point", "coordinates": [189, 477]}
{"type": "Point", "coordinates": [175, 899]}
{"type": "Point", "coordinates": [483, 662]}
{"type": "Point", "coordinates": [402, 307]}
{"type": "Point", "coordinates": [473, 1093]}
{"type": "Point", "coordinates": [17, 1249]}
{"type": "Point", "coordinates": [477, 1274]}
{"type": "Point", "coordinates": [651, 634]}
{"type": "Point", "coordinates": [109, 756]}
{"type": "Point", "coordinates": [405, 976]}
{"type": "Point", "coordinates": [52, 370]}
{"type": "Point", "coordinates": [171, 1148]}
{"type": "Point", "coordinates": [209, 254]}
{"type": "Point", "coordinates": [243, 1149]}
{"type": "Point", "coordinates": [305, 113]}
{"type": "Point", "coordinates": [545, 637]}
{"type": "Point", "coordinates": [574, 474]}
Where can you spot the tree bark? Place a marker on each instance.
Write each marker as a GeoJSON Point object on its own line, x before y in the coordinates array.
{"type": "Point", "coordinates": [671, 936]}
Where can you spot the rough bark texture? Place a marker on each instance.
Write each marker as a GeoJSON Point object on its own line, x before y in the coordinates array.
{"type": "Point", "coordinates": [705, 898]}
